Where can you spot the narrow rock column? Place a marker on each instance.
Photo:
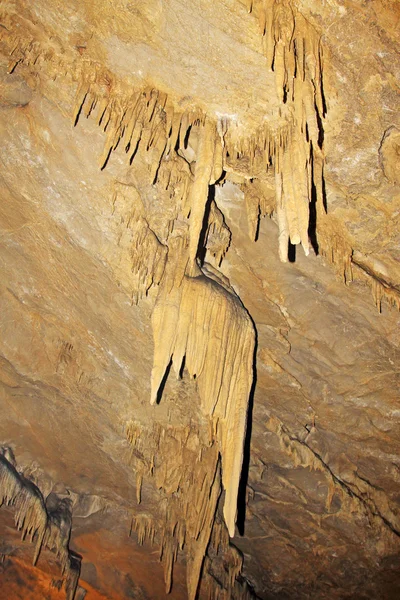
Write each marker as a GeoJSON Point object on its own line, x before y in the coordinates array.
{"type": "Point", "coordinates": [198, 194]}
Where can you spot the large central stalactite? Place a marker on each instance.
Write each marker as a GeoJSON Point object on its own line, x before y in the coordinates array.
{"type": "Point", "coordinates": [206, 325]}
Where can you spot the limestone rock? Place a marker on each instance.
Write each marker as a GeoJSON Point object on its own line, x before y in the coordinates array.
{"type": "Point", "coordinates": [160, 165]}
{"type": "Point", "coordinates": [389, 153]}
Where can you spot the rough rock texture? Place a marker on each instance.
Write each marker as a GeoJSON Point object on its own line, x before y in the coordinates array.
{"type": "Point", "coordinates": [161, 165]}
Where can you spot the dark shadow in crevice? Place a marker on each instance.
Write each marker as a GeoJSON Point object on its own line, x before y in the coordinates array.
{"type": "Point", "coordinates": [75, 555]}
{"type": "Point", "coordinates": [321, 133]}
{"type": "Point", "coordinates": [324, 109]}
{"type": "Point", "coordinates": [107, 159]}
{"type": "Point", "coordinates": [324, 200]}
{"type": "Point", "coordinates": [312, 220]}
{"type": "Point", "coordinates": [78, 114]}
{"type": "Point", "coordinates": [291, 252]}
{"type": "Point", "coordinates": [241, 503]}
{"type": "Point", "coordinates": [181, 370]}
{"type": "Point", "coordinates": [135, 151]}
{"type": "Point", "coordinates": [258, 225]}
{"type": "Point", "coordinates": [187, 135]}
{"type": "Point", "coordinates": [202, 249]}
{"type": "Point", "coordinates": [163, 382]}
{"type": "Point", "coordinates": [158, 167]}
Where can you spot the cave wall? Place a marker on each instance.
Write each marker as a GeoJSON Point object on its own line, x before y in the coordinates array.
{"type": "Point", "coordinates": [199, 341]}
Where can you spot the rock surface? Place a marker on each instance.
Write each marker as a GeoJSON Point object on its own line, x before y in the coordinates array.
{"type": "Point", "coordinates": [161, 165]}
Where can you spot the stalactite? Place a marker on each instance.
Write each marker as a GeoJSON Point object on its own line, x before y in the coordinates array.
{"type": "Point", "coordinates": [132, 120]}
{"type": "Point", "coordinates": [204, 322]}
{"type": "Point", "coordinates": [199, 190]}
{"type": "Point", "coordinates": [212, 345]}
{"type": "Point", "coordinates": [30, 512]}
{"type": "Point", "coordinates": [336, 245]}
{"type": "Point", "coordinates": [168, 556]}
{"type": "Point", "coordinates": [381, 288]}
{"type": "Point", "coordinates": [147, 120]}
{"type": "Point", "coordinates": [58, 529]}
{"type": "Point", "coordinates": [144, 526]}
{"type": "Point", "coordinates": [52, 528]}
{"type": "Point", "coordinates": [294, 53]}
{"type": "Point", "coordinates": [380, 291]}
{"type": "Point", "coordinates": [218, 235]}
{"type": "Point", "coordinates": [259, 201]}
{"type": "Point", "coordinates": [174, 176]}
{"type": "Point", "coordinates": [191, 487]}
{"type": "Point", "coordinates": [296, 156]}
{"type": "Point", "coordinates": [218, 165]}
{"type": "Point", "coordinates": [222, 568]}
{"type": "Point", "coordinates": [148, 255]}
{"type": "Point", "coordinates": [210, 493]}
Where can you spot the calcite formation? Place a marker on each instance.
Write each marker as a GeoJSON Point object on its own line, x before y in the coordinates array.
{"type": "Point", "coordinates": [206, 326]}
{"type": "Point", "coordinates": [294, 53]}
{"type": "Point", "coordinates": [143, 145]}
{"type": "Point", "coordinates": [189, 511]}
{"type": "Point", "coordinates": [50, 527]}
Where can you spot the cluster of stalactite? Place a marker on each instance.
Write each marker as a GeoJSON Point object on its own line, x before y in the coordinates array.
{"type": "Point", "coordinates": [47, 526]}
{"type": "Point", "coordinates": [222, 568]}
{"type": "Point", "coordinates": [294, 52]}
{"type": "Point", "coordinates": [184, 462]}
{"type": "Point", "coordinates": [148, 120]}
{"type": "Point", "coordinates": [198, 317]}
{"type": "Point", "coordinates": [382, 288]}
{"type": "Point", "coordinates": [290, 148]}
{"type": "Point", "coordinates": [198, 320]}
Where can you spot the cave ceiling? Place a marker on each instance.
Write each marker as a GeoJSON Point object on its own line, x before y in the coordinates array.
{"type": "Point", "coordinates": [200, 292]}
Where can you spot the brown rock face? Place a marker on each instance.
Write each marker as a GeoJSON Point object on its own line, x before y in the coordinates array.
{"type": "Point", "coordinates": [199, 394]}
